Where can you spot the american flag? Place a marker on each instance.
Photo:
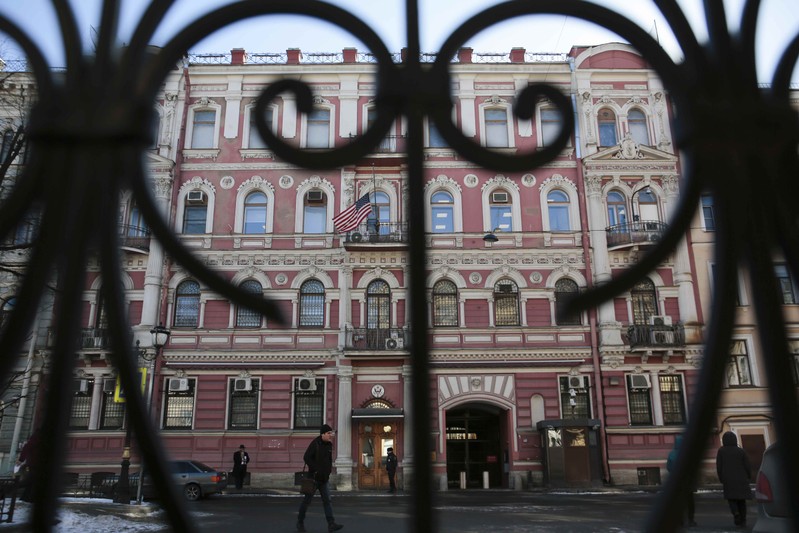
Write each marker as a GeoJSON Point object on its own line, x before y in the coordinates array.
{"type": "Point", "coordinates": [349, 219]}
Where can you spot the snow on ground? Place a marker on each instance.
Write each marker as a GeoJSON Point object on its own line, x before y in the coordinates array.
{"type": "Point", "coordinates": [72, 519]}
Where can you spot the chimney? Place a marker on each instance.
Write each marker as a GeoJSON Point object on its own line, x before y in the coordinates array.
{"type": "Point", "coordinates": [464, 55]}
{"type": "Point", "coordinates": [350, 54]}
{"type": "Point", "coordinates": [237, 56]}
{"type": "Point", "coordinates": [293, 56]}
{"type": "Point", "coordinates": [517, 55]}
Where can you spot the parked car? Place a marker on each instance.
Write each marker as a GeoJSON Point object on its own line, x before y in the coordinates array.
{"type": "Point", "coordinates": [772, 501]}
{"type": "Point", "coordinates": [195, 479]}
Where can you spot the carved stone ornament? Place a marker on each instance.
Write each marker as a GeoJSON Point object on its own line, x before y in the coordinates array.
{"type": "Point", "coordinates": [528, 180]}
{"type": "Point", "coordinates": [257, 182]}
{"type": "Point", "coordinates": [536, 277]}
{"type": "Point", "coordinates": [629, 149]}
{"type": "Point", "coordinates": [281, 279]}
{"type": "Point", "coordinates": [227, 182]}
{"type": "Point", "coordinates": [470, 180]}
{"type": "Point", "coordinates": [475, 277]}
{"type": "Point", "coordinates": [197, 182]}
{"type": "Point", "coordinates": [443, 179]}
{"type": "Point", "coordinates": [286, 181]}
{"type": "Point", "coordinates": [501, 180]}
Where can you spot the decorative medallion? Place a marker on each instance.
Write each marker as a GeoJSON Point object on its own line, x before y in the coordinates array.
{"type": "Point", "coordinates": [281, 279]}
{"type": "Point", "coordinates": [475, 277]}
{"type": "Point", "coordinates": [378, 391]}
{"type": "Point", "coordinates": [470, 180]}
{"type": "Point", "coordinates": [536, 277]}
{"type": "Point", "coordinates": [227, 182]}
{"type": "Point", "coordinates": [286, 181]}
{"type": "Point", "coordinates": [528, 180]}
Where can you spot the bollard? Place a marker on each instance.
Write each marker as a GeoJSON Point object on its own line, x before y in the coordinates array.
{"type": "Point", "coordinates": [485, 479]}
{"type": "Point", "coordinates": [463, 480]}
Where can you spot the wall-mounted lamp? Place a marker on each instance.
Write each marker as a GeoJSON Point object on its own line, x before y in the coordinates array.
{"type": "Point", "coordinates": [491, 236]}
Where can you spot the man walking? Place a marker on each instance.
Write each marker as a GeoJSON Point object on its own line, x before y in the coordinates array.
{"type": "Point", "coordinates": [391, 469]}
{"type": "Point", "coordinates": [319, 458]}
{"type": "Point", "coordinates": [240, 460]}
{"type": "Point", "coordinates": [732, 467]}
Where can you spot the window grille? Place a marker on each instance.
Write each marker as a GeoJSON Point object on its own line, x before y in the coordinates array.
{"type": "Point", "coordinates": [179, 407]}
{"type": "Point", "coordinates": [243, 407]}
{"type": "Point", "coordinates": [309, 406]}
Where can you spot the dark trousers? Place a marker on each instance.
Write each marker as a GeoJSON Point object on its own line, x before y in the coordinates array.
{"type": "Point", "coordinates": [738, 509]}
{"type": "Point", "coordinates": [238, 475]}
{"type": "Point", "coordinates": [324, 492]}
{"type": "Point", "coordinates": [391, 474]}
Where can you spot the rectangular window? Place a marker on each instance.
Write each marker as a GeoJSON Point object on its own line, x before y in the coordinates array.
{"type": "Point", "coordinates": [640, 403]}
{"type": "Point", "coordinates": [315, 219]}
{"type": "Point", "coordinates": [574, 398]}
{"type": "Point", "coordinates": [243, 405]}
{"type": "Point", "coordinates": [202, 133]}
{"type": "Point", "coordinates": [309, 405]}
{"type": "Point", "coordinates": [112, 414]}
{"type": "Point", "coordinates": [81, 407]}
{"type": "Point", "coordinates": [559, 218]}
{"type": "Point", "coordinates": [713, 282]}
{"type": "Point", "coordinates": [738, 374]}
{"type": "Point", "coordinates": [179, 403]}
{"type": "Point", "coordinates": [501, 217]}
{"type": "Point", "coordinates": [442, 219]}
{"type": "Point", "coordinates": [607, 134]}
{"type": "Point", "coordinates": [707, 212]}
{"type": "Point", "coordinates": [550, 126]}
{"type": "Point", "coordinates": [496, 123]}
{"type": "Point", "coordinates": [787, 285]}
{"type": "Point", "coordinates": [194, 219]}
{"type": "Point", "coordinates": [671, 399]}
{"type": "Point", "coordinates": [434, 137]}
{"type": "Point", "coordinates": [319, 129]}
{"type": "Point", "coordinates": [255, 140]}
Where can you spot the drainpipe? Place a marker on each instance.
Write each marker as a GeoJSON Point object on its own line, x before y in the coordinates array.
{"type": "Point", "coordinates": [23, 396]}
{"type": "Point", "coordinates": [589, 279]}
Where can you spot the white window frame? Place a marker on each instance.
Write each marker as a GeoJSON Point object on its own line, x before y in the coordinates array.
{"type": "Point", "coordinates": [249, 129]}
{"type": "Point", "coordinates": [330, 127]}
{"type": "Point", "coordinates": [489, 106]}
{"type": "Point", "coordinates": [210, 106]}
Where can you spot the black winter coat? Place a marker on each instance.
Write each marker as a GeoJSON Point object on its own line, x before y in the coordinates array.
{"type": "Point", "coordinates": [733, 469]}
{"type": "Point", "coordinates": [319, 458]}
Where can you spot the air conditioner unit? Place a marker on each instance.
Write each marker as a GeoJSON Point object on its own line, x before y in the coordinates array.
{"type": "Point", "coordinates": [639, 381]}
{"type": "Point", "coordinates": [578, 382]}
{"type": "Point", "coordinates": [195, 197]}
{"type": "Point", "coordinates": [242, 384]}
{"type": "Point", "coordinates": [356, 236]}
{"type": "Point", "coordinates": [499, 197]}
{"type": "Point", "coordinates": [109, 385]}
{"type": "Point", "coordinates": [82, 385]}
{"type": "Point", "coordinates": [395, 334]}
{"type": "Point", "coordinates": [306, 384]}
{"type": "Point", "coordinates": [660, 320]}
{"type": "Point", "coordinates": [316, 196]}
{"type": "Point", "coordinates": [395, 344]}
{"type": "Point", "coordinates": [178, 384]}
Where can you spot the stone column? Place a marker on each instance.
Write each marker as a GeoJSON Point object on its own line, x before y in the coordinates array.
{"type": "Point", "coordinates": [682, 264]}
{"type": "Point", "coordinates": [344, 463]}
{"type": "Point", "coordinates": [154, 274]}
{"type": "Point", "coordinates": [408, 460]}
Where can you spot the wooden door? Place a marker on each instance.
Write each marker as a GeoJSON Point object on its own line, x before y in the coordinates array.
{"type": "Point", "coordinates": [374, 440]}
{"type": "Point", "coordinates": [577, 468]}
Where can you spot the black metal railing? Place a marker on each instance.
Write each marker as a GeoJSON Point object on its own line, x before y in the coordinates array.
{"type": "Point", "coordinates": [377, 339]}
{"type": "Point", "coordinates": [134, 236]}
{"type": "Point", "coordinates": [656, 336]}
{"type": "Point", "coordinates": [368, 233]}
{"type": "Point", "coordinates": [639, 232]}
{"type": "Point", "coordinates": [95, 339]}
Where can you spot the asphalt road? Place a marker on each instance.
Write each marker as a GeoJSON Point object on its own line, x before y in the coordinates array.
{"type": "Point", "coordinates": [457, 511]}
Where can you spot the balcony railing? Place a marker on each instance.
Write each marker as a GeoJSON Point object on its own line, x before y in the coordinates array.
{"type": "Point", "coordinates": [371, 232]}
{"type": "Point", "coordinates": [651, 336]}
{"type": "Point", "coordinates": [134, 236]}
{"type": "Point", "coordinates": [383, 339]}
{"type": "Point", "coordinates": [95, 339]}
{"type": "Point", "coordinates": [639, 232]}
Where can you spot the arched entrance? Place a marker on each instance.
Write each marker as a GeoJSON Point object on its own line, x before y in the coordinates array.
{"type": "Point", "coordinates": [474, 445]}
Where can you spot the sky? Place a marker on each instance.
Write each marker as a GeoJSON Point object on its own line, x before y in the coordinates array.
{"type": "Point", "coordinates": [778, 23]}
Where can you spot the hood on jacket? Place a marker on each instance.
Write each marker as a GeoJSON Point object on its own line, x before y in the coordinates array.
{"type": "Point", "coordinates": [729, 439]}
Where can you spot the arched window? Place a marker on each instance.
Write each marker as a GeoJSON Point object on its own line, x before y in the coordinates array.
{"type": "Point", "coordinates": [202, 132]}
{"type": "Point", "coordinates": [617, 209]}
{"type": "Point", "coordinates": [187, 305]}
{"type": "Point", "coordinates": [506, 303]}
{"type": "Point", "coordinates": [551, 124]}
{"type": "Point", "coordinates": [255, 213]}
{"type": "Point", "coordinates": [647, 205]}
{"type": "Point", "coordinates": [378, 305]}
{"type": "Point", "coordinates": [558, 210]}
{"type": "Point", "coordinates": [607, 127]}
{"type": "Point", "coordinates": [636, 120]}
{"type": "Point", "coordinates": [379, 220]}
{"type": "Point", "coordinates": [442, 216]}
{"type": "Point", "coordinates": [501, 210]}
{"type": "Point", "coordinates": [565, 290]}
{"type": "Point", "coordinates": [245, 317]}
{"type": "Point", "coordinates": [312, 304]}
{"type": "Point", "coordinates": [445, 303]}
{"type": "Point", "coordinates": [314, 212]}
{"type": "Point", "coordinates": [496, 127]}
{"type": "Point", "coordinates": [644, 301]}
{"type": "Point", "coordinates": [319, 128]}
{"type": "Point", "coordinates": [195, 212]}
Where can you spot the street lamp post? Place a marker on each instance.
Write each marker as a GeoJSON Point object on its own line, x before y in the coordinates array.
{"type": "Point", "coordinates": [160, 336]}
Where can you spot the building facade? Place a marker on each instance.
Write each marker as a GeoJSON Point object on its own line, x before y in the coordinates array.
{"type": "Point", "coordinates": [522, 395]}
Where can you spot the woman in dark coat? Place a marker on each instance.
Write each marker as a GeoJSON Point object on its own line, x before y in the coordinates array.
{"type": "Point", "coordinates": [735, 473]}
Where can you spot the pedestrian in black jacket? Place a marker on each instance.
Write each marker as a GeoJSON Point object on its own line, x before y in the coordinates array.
{"type": "Point", "coordinates": [732, 466]}
{"type": "Point", "coordinates": [240, 460]}
{"type": "Point", "coordinates": [319, 458]}
{"type": "Point", "coordinates": [391, 469]}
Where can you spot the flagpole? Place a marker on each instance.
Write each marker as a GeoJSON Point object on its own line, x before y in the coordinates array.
{"type": "Point", "coordinates": [373, 199]}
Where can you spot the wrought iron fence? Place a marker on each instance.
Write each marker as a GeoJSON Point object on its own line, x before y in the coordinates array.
{"type": "Point", "coordinates": [739, 142]}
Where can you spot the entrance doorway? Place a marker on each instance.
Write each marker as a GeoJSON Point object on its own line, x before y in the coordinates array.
{"type": "Point", "coordinates": [375, 437]}
{"type": "Point", "coordinates": [474, 445]}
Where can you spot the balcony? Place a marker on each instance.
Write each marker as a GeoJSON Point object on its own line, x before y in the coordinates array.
{"type": "Point", "coordinates": [640, 232]}
{"type": "Point", "coordinates": [656, 336]}
{"type": "Point", "coordinates": [377, 339]}
{"type": "Point", "coordinates": [372, 234]}
{"type": "Point", "coordinates": [95, 339]}
{"type": "Point", "coordinates": [136, 237]}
